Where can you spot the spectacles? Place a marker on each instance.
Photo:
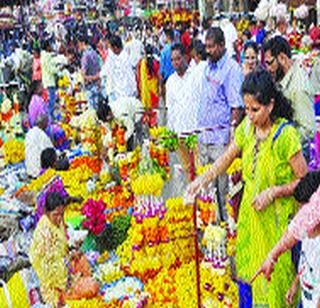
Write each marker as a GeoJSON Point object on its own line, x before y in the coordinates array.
{"type": "Point", "coordinates": [269, 63]}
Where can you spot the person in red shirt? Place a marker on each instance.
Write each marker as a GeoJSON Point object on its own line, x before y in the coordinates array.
{"type": "Point", "coordinates": [186, 41]}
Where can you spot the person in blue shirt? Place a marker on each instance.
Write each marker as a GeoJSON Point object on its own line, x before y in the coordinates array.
{"type": "Point", "coordinates": [166, 68]}
{"type": "Point", "coordinates": [221, 106]}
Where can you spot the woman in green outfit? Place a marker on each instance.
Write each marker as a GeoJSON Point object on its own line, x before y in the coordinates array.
{"type": "Point", "coordinates": [272, 164]}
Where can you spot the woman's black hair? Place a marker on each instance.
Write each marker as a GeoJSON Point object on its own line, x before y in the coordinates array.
{"type": "Point", "coordinates": [53, 201]}
{"type": "Point", "coordinates": [260, 84]}
{"type": "Point", "coordinates": [307, 186]}
{"type": "Point", "coordinates": [150, 58]}
{"type": "Point", "coordinates": [48, 158]}
{"type": "Point", "coordinates": [252, 45]}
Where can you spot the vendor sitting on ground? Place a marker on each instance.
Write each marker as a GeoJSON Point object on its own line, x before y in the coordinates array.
{"type": "Point", "coordinates": [36, 141]}
{"type": "Point", "coordinates": [52, 262]}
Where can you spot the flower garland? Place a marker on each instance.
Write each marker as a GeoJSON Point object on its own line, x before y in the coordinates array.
{"type": "Point", "coordinates": [207, 208]}
{"type": "Point", "coordinates": [162, 289]}
{"type": "Point", "coordinates": [13, 151]}
{"type": "Point", "coordinates": [37, 184]}
{"type": "Point", "coordinates": [160, 155]}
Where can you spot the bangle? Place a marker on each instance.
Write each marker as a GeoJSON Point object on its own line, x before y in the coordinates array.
{"type": "Point", "coordinates": [271, 259]}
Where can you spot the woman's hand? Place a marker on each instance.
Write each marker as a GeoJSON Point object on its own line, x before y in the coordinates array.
{"type": "Point", "coordinates": [194, 188]}
{"type": "Point", "coordinates": [292, 292]}
{"type": "Point", "coordinates": [264, 199]}
{"type": "Point", "coordinates": [266, 269]}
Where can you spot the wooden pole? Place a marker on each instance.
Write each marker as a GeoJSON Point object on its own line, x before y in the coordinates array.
{"type": "Point", "coordinates": [196, 245]}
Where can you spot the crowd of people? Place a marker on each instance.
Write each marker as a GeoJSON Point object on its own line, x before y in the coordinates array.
{"type": "Point", "coordinates": [241, 91]}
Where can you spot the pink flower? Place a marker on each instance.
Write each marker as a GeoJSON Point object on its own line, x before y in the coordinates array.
{"type": "Point", "coordinates": [95, 217]}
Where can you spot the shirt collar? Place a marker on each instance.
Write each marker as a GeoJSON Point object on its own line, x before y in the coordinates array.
{"type": "Point", "coordinates": [284, 83]}
{"type": "Point", "coordinates": [219, 64]}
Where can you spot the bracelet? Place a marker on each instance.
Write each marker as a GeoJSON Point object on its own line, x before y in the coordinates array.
{"type": "Point", "coordinates": [271, 259]}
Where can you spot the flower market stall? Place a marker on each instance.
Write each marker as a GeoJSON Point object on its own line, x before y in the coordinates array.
{"type": "Point", "coordinates": [144, 249]}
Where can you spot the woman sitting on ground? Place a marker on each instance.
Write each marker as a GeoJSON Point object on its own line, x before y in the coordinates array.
{"type": "Point", "coordinates": [54, 264]}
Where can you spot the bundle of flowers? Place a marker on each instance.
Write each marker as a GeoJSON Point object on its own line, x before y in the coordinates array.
{"type": "Point", "coordinates": [118, 200]}
{"type": "Point", "coordinates": [95, 220]}
{"type": "Point", "coordinates": [13, 151]}
{"type": "Point", "coordinates": [217, 287]}
{"type": "Point", "coordinates": [148, 184]}
{"type": "Point", "coordinates": [262, 11]}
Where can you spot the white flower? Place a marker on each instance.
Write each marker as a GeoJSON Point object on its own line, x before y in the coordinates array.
{"type": "Point", "coordinates": [262, 11]}
{"type": "Point", "coordinates": [279, 11]}
{"type": "Point", "coordinates": [302, 12]}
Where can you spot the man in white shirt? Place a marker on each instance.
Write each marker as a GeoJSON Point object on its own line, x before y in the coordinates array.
{"type": "Point", "coordinates": [180, 110]}
{"type": "Point", "coordinates": [117, 72]}
{"type": "Point", "coordinates": [176, 91]}
{"type": "Point", "coordinates": [36, 141]}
